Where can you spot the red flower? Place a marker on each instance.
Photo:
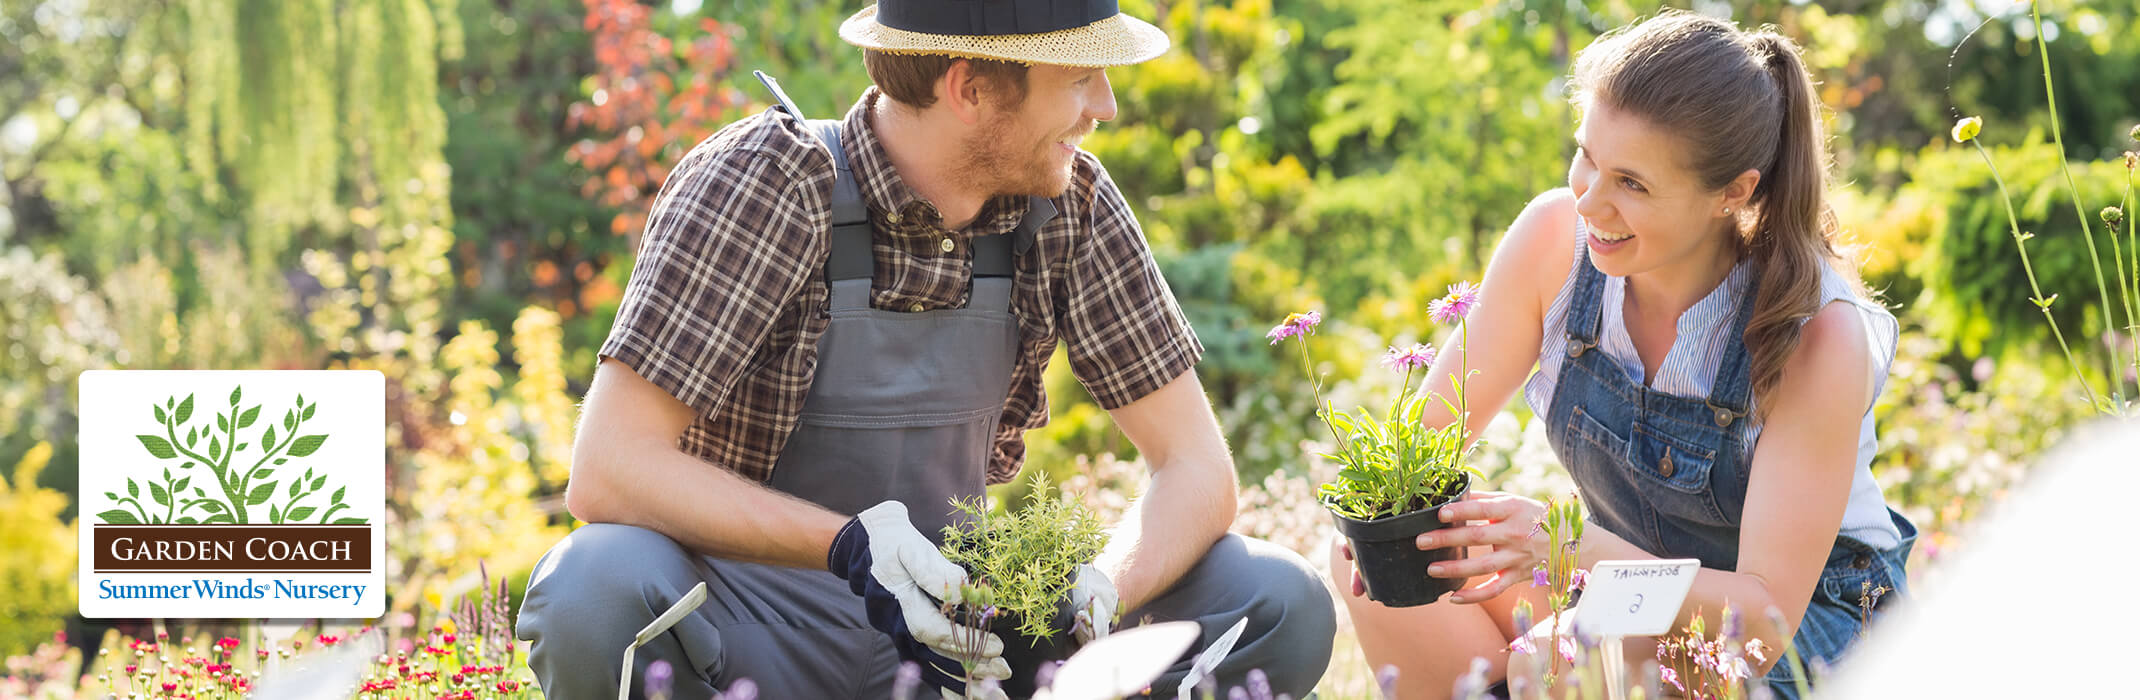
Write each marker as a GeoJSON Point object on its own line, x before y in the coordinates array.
{"type": "Point", "coordinates": [329, 640]}
{"type": "Point", "coordinates": [170, 687]}
{"type": "Point", "coordinates": [449, 639]}
{"type": "Point", "coordinates": [459, 679]}
{"type": "Point", "coordinates": [508, 686]}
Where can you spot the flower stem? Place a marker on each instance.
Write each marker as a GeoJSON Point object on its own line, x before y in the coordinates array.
{"type": "Point", "coordinates": [2117, 387]}
{"type": "Point", "coordinates": [1315, 384]}
{"type": "Point", "coordinates": [2015, 225]}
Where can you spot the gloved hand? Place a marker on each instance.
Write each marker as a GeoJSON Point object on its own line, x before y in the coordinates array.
{"type": "Point", "coordinates": [896, 571]}
{"type": "Point", "coordinates": [1092, 594]}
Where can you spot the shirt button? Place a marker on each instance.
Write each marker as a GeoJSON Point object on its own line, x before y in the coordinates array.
{"type": "Point", "coordinates": [948, 245]}
{"type": "Point", "coordinates": [916, 308]}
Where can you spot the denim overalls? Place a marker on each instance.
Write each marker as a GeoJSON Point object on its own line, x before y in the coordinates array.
{"type": "Point", "coordinates": [1669, 474]}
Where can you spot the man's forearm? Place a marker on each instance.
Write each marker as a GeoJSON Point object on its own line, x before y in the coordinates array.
{"type": "Point", "coordinates": [708, 509]}
{"type": "Point", "coordinates": [1184, 510]}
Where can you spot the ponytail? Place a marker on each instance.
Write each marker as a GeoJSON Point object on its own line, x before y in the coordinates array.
{"type": "Point", "coordinates": [1791, 239]}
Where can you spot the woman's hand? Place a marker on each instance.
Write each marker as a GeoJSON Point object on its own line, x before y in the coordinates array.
{"type": "Point", "coordinates": [1506, 524]}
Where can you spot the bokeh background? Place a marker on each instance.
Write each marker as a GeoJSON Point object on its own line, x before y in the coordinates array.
{"type": "Point", "coordinates": [450, 192]}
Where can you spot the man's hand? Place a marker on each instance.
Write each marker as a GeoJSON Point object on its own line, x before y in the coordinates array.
{"type": "Point", "coordinates": [897, 571]}
{"type": "Point", "coordinates": [1093, 596]}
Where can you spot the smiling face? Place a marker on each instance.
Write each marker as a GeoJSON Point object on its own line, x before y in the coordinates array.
{"type": "Point", "coordinates": [1028, 150]}
{"type": "Point", "coordinates": [1645, 208]}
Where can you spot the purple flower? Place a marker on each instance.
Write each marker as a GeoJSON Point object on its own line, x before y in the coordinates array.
{"type": "Point", "coordinates": [1418, 356]}
{"type": "Point", "coordinates": [742, 689]}
{"type": "Point", "coordinates": [1462, 298]}
{"type": "Point", "coordinates": [1672, 677]}
{"type": "Point", "coordinates": [1296, 324]}
{"type": "Point", "coordinates": [1523, 644]}
{"type": "Point", "coordinates": [1045, 675]}
{"type": "Point", "coordinates": [1538, 577]}
{"type": "Point", "coordinates": [1259, 685]}
{"type": "Point", "coordinates": [1567, 649]}
{"type": "Point", "coordinates": [1386, 679]}
{"type": "Point", "coordinates": [908, 678]}
{"type": "Point", "coordinates": [659, 676]}
{"type": "Point", "coordinates": [1580, 577]}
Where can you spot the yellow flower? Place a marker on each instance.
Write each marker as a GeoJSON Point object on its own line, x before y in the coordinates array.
{"type": "Point", "coordinates": [1967, 129]}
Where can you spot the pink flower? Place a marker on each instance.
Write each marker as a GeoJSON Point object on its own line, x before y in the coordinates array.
{"type": "Point", "coordinates": [1462, 298]}
{"type": "Point", "coordinates": [1523, 644]}
{"type": "Point", "coordinates": [1418, 356]}
{"type": "Point", "coordinates": [1581, 576]}
{"type": "Point", "coordinates": [1296, 324]}
{"type": "Point", "coordinates": [1567, 649]}
{"type": "Point", "coordinates": [1672, 677]}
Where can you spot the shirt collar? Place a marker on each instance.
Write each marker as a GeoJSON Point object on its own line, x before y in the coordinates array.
{"type": "Point", "coordinates": [884, 192]}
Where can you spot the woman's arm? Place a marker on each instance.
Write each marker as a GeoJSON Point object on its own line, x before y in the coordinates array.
{"type": "Point", "coordinates": [1527, 270]}
{"type": "Point", "coordinates": [1797, 491]}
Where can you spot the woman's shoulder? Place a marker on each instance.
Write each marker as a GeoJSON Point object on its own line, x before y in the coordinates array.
{"type": "Point", "coordinates": [1539, 248]}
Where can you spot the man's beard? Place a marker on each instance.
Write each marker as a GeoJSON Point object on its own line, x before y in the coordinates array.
{"type": "Point", "coordinates": [998, 158]}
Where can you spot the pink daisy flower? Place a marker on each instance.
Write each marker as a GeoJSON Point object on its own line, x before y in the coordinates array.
{"type": "Point", "coordinates": [1455, 306]}
{"type": "Point", "coordinates": [1417, 356]}
{"type": "Point", "coordinates": [1295, 325]}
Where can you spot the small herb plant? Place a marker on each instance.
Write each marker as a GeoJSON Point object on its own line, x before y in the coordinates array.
{"type": "Point", "coordinates": [1021, 562]}
{"type": "Point", "coordinates": [1394, 464]}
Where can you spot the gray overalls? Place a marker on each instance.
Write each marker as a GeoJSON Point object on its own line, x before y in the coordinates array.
{"type": "Point", "coordinates": [902, 406]}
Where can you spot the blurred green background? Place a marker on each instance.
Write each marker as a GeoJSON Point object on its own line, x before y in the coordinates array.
{"type": "Point", "coordinates": [449, 191]}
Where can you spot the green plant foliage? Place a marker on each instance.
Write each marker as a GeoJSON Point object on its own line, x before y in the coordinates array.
{"type": "Point", "coordinates": [1025, 560]}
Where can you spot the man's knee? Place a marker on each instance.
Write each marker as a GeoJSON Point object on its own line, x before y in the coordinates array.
{"type": "Point", "coordinates": [1295, 598]}
{"type": "Point", "coordinates": [595, 589]}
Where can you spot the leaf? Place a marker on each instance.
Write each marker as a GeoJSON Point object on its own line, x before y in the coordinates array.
{"type": "Point", "coordinates": [163, 498]}
{"type": "Point", "coordinates": [188, 520]}
{"type": "Point", "coordinates": [307, 445]}
{"type": "Point", "coordinates": [221, 424]}
{"type": "Point", "coordinates": [245, 420]}
{"type": "Point", "coordinates": [260, 494]}
{"type": "Point", "coordinates": [118, 517]}
{"type": "Point", "coordinates": [110, 495]}
{"type": "Point", "coordinates": [240, 446]}
{"type": "Point", "coordinates": [133, 489]}
{"type": "Point", "coordinates": [349, 521]}
{"type": "Point", "coordinates": [275, 514]}
{"type": "Point", "coordinates": [224, 518]}
{"type": "Point", "coordinates": [193, 436]}
{"type": "Point", "coordinates": [289, 420]}
{"type": "Point", "coordinates": [199, 493]}
{"type": "Point", "coordinates": [338, 494]}
{"type": "Point", "coordinates": [181, 485]}
{"type": "Point", "coordinates": [262, 474]}
{"type": "Point", "coordinates": [212, 507]}
{"type": "Point", "coordinates": [161, 417]}
{"type": "Point", "coordinates": [308, 411]}
{"type": "Point", "coordinates": [188, 465]}
{"type": "Point", "coordinates": [267, 441]}
{"type": "Point", "coordinates": [298, 515]}
{"type": "Point", "coordinates": [281, 460]}
{"type": "Point", "coordinates": [295, 485]}
{"type": "Point", "coordinates": [236, 392]}
{"type": "Point", "coordinates": [185, 410]}
{"type": "Point", "coordinates": [157, 446]}
{"type": "Point", "coordinates": [318, 483]}
{"type": "Point", "coordinates": [215, 448]}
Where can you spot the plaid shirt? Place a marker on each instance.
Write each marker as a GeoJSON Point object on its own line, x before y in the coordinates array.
{"type": "Point", "coordinates": [727, 299]}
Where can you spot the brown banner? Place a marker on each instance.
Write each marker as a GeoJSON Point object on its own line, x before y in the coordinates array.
{"type": "Point", "coordinates": [232, 548]}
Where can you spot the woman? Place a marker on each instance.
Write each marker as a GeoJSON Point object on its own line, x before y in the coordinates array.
{"type": "Point", "coordinates": [1707, 363]}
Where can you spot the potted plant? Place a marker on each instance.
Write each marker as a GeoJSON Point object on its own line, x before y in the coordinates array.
{"type": "Point", "coordinates": [1394, 472]}
{"type": "Point", "coordinates": [1020, 565]}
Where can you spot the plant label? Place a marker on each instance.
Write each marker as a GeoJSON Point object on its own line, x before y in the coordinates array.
{"type": "Point", "coordinates": [1634, 598]}
{"type": "Point", "coordinates": [232, 494]}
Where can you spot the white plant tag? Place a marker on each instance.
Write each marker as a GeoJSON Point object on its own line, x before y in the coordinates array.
{"type": "Point", "coordinates": [1634, 598]}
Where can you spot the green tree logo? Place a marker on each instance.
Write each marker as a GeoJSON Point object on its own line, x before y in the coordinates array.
{"type": "Point", "coordinates": [238, 491]}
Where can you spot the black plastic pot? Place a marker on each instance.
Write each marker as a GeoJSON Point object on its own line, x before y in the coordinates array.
{"type": "Point", "coordinates": [1026, 654]}
{"type": "Point", "coordinates": [1390, 560]}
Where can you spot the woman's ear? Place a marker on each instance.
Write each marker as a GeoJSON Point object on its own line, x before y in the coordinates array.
{"type": "Point", "coordinates": [1738, 192]}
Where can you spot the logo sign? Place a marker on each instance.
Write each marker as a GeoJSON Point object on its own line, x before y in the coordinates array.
{"type": "Point", "coordinates": [1634, 598]}
{"type": "Point", "coordinates": [233, 494]}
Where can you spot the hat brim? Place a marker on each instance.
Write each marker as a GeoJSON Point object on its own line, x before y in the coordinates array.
{"type": "Point", "coordinates": [1116, 41]}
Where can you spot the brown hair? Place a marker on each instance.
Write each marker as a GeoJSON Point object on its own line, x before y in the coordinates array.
{"type": "Point", "coordinates": [910, 79]}
{"type": "Point", "coordinates": [1740, 100]}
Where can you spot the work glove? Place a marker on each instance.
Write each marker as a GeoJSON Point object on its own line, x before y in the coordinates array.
{"type": "Point", "coordinates": [897, 571]}
{"type": "Point", "coordinates": [1093, 596]}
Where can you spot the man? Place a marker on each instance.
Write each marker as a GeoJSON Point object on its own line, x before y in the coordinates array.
{"type": "Point", "coordinates": [847, 360]}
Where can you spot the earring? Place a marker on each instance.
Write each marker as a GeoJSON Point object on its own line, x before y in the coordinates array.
{"type": "Point", "coordinates": [1727, 211]}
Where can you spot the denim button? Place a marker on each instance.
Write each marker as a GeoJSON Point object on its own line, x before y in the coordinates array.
{"type": "Point", "coordinates": [1664, 464]}
{"type": "Point", "coordinates": [1863, 561]}
{"type": "Point", "coordinates": [1575, 348]}
{"type": "Point", "coordinates": [1723, 417]}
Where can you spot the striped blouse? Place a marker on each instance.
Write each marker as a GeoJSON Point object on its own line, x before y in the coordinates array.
{"type": "Point", "coordinates": [1690, 368]}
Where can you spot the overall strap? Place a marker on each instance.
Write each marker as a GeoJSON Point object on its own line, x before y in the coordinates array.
{"type": "Point", "coordinates": [850, 256]}
{"type": "Point", "coordinates": [1586, 304]}
{"type": "Point", "coordinates": [1730, 396]}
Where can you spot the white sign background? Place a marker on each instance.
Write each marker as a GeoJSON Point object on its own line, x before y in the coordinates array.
{"type": "Point", "coordinates": [1634, 598]}
{"type": "Point", "coordinates": [117, 405]}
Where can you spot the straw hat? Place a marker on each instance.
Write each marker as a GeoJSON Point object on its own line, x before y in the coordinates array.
{"type": "Point", "coordinates": [1080, 33]}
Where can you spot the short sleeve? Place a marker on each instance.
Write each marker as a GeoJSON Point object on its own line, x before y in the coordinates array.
{"type": "Point", "coordinates": [724, 250]}
{"type": "Point", "coordinates": [1126, 335]}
